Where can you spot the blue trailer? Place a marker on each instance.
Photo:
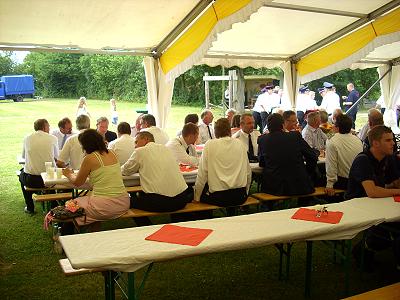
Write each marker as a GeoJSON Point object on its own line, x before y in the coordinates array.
{"type": "Point", "coordinates": [16, 87]}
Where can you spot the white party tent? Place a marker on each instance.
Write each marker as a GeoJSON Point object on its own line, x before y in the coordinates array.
{"type": "Point", "coordinates": [308, 39]}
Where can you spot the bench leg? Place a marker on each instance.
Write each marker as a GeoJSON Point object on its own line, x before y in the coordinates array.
{"type": "Point", "coordinates": [307, 288]}
{"type": "Point", "coordinates": [282, 252]}
{"type": "Point", "coordinates": [109, 285]}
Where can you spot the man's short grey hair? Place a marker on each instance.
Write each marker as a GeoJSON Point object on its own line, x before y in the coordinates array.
{"type": "Point", "coordinates": [101, 120]}
{"type": "Point", "coordinates": [82, 122]}
{"type": "Point", "coordinates": [204, 113]}
{"type": "Point", "coordinates": [312, 117]}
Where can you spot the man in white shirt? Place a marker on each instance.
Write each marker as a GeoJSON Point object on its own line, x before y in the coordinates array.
{"type": "Point", "coordinates": [374, 117]}
{"type": "Point", "coordinates": [312, 134]}
{"type": "Point", "coordinates": [124, 145]}
{"type": "Point", "coordinates": [341, 150]}
{"type": "Point", "coordinates": [224, 174]}
{"type": "Point", "coordinates": [331, 100]}
{"type": "Point", "coordinates": [206, 130]}
{"type": "Point", "coordinates": [72, 153]}
{"type": "Point", "coordinates": [302, 104]}
{"type": "Point", "coordinates": [164, 188]}
{"type": "Point", "coordinates": [63, 132]}
{"type": "Point", "coordinates": [39, 147]}
{"type": "Point", "coordinates": [248, 136]}
{"type": "Point", "coordinates": [183, 146]}
{"type": "Point", "coordinates": [148, 123]}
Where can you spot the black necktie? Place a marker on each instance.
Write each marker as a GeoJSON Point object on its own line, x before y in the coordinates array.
{"type": "Point", "coordinates": [251, 149]}
{"type": "Point", "coordinates": [187, 150]}
{"type": "Point", "coordinates": [209, 131]}
{"type": "Point", "coordinates": [63, 141]}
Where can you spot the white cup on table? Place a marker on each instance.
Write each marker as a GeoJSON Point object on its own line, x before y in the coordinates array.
{"type": "Point", "coordinates": [59, 173]}
{"type": "Point", "coordinates": [49, 169]}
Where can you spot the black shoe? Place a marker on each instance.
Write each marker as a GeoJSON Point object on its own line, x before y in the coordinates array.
{"type": "Point", "coordinates": [27, 211]}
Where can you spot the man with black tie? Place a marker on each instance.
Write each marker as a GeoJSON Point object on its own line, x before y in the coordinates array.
{"type": "Point", "coordinates": [248, 136]}
{"type": "Point", "coordinates": [183, 146]}
{"type": "Point", "coordinates": [206, 130]}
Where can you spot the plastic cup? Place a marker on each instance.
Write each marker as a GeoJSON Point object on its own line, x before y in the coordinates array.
{"type": "Point", "coordinates": [59, 173]}
{"type": "Point", "coordinates": [50, 172]}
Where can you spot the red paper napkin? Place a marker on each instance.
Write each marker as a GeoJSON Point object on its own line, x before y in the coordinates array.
{"type": "Point", "coordinates": [179, 235]}
{"type": "Point", "coordinates": [199, 147]}
{"type": "Point", "coordinates": [186, 168]}
{"type": "Point", "coordinates": [332, 217]}
{"type": "Point", "coordinates": [396, 198]}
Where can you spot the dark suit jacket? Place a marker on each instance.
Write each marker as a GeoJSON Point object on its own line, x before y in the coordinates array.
{"type": "Point", "coordinates": [110, 136]}
{"type": "Point", "coordinates": [282, 154]}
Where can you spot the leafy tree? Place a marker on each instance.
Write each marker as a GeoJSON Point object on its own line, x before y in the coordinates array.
{"type": "Point", "coordinates": [6, 63]}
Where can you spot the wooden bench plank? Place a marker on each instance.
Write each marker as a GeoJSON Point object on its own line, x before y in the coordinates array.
{"type": "Point", "coordinates": [51, 197]}
{"type": "Point", "coordinates": [319, 191]}
{"type": "Point", "coordinates": [133, 189]}
{"type": "Point", "coordinates": [68, 270]}
{"type": "Point", "coordinates": [390, 292]}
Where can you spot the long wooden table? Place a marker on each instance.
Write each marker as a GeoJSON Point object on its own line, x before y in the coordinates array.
{"type": "Point", "coordinates": [126, 250]}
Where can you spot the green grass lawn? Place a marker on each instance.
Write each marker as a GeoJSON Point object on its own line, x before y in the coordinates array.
{"type": "Point", "coordinates": [29, 266]}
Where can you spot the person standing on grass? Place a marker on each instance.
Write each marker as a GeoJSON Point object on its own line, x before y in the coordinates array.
{"type": "Point", "coordinates": [39, 147]}
{"type": "Point", "coordinates": [109, 199]}
{"type": "Point", "coordinates": [114, 113]}
{"type": "Point", "coordinates": [82, 107]}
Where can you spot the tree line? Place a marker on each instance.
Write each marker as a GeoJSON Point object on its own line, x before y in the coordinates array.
{"type": "Point", "coordinates": [66, 75]}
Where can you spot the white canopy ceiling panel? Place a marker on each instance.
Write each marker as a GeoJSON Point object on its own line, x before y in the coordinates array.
{"type": "Point", "coordinates": [261, 35]}
{"type": "Point", "coordinates": [88, 24]}
{"type": "Point", "coordinates": [363, 6]}
{"type": "Point", "coordinates": [385, 52]}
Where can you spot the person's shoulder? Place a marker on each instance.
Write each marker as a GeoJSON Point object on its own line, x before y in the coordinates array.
{"type": "Point", "coordinates": [237, 134]}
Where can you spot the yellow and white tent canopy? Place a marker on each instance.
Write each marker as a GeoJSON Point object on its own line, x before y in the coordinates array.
{"type": "Point", "coordinates": [308, 39]}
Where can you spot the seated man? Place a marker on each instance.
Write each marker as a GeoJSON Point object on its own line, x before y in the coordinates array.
{"type": "Point", "coordinates": [183, 146]}
{"type": "Point", "coordinates": [312, 134]}
{"type": "Point", "coordinates": [341, 150]}
{"type": "Point", "coordinates": [63, 132]}
{"type": "Point", "coordinates": [39, 147]}
{"type": "Point", "coordinates": [288, 161]}
{"type": "Point", "coordinates": [248, 136]}
{"type": "Point", "coordinates": [374, 116]}
{"type": "Point", "coordinates": [206, 130]}
{"type": "Point", "coordinates": [72, 155]}
{"type": "Point", "coordinates": [102, 128]}
{"type": "Point", "coordinates": [374, 174]}
{"type": "Point", "coordinates": [290, 121]}
{"type": "Point", "coordinates": [190, 118]}
{"type": "Point", "coordinates": [325, 126]}
{"type": "Point", "coordinates": [124, 145]}
{"type": "Point", "coordinates": [164, 188]}
{"type": "Point", "coordinates": [137, 127]}
{"type": "Point", "coordinates": [148, 123]}
{"type": "Point", "coordinates": [224, 174]}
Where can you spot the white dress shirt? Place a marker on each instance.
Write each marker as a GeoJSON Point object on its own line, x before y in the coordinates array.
{"type": "Point", "coordinates": [330, 102]}
{"type": "Point", "coordinates": [160, 136]}
{"type": "Point", "coordinates": [39, 147]}
{"type": "Point", "coordinates": [158, 170]}
{"type": "Point", "coordinates": [244, 137]}
{"type": "Point", "coordinates": [223, 165]}
{"type": "Point", "coordinates": [123, 147]}
{"type": "Point", "coordinates": [72, 152]}
{"type": "Point", "coordinates": [302, 102]}
{"type": "Point", "coordinates": [341, 150]}
{"type": "Point", "coordinates": [258, 105]}
{"type": "Point", "coordinates": [60, 136]}
{"type": "Point", "coordinates": [315, 137]}
{"type": "Point", "coordinates": [178, 147]}
{"type": "Point", "coordinates": [363, 133]}
{"type": "Point", "coordinates": [204, 134]}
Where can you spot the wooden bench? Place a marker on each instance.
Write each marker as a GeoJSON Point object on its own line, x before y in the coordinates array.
{"type": "Point", "coordinates": [319, 191]}
{"type": "Point", "coordinates": [190, 207]}
{"type": "Point", "coordinates": [68, 270]}
{"type": "Point", "coordinates": [389, 292]}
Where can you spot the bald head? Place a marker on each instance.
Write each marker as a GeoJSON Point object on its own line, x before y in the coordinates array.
{"type": "Point", "coordinates": [375, 117]}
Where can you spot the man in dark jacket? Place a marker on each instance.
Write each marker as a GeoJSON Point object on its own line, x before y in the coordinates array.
{"type": "Point", "coordinates": [287, 159]}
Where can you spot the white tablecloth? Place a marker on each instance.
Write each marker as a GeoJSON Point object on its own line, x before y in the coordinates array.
{"type": "Point", "coordinates": [127, 250]}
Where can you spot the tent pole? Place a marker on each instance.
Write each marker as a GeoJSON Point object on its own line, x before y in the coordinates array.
{"type": "Point", "coordinates": [369, 89]}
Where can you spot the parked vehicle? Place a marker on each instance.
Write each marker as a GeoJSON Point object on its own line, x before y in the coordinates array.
{"type": "Point", "coordinates": [16, 87]}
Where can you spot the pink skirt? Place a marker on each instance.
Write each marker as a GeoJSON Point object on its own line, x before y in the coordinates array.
{"type": "Point", "coordinates": [102, 208]}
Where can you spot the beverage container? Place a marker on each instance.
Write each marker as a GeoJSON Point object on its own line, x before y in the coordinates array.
{"type": "Point", "coordinates": [59, 173]}
{"type": "Point", "coordinates": [50, 172]}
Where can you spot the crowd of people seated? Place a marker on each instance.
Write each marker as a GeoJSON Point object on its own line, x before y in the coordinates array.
{"type": "Point", "coordinates": [363, 165]}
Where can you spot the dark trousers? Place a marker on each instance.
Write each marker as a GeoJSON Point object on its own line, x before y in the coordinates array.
{"type": "Point", "coordinates": [227, 198]}
{"type": "Point", "coordinates": [257, 120]}
{"type": "Point", "coordinates": [160, 203]}
{"type": "Point", "coordinates": [353, 115]}
{"type": "Point", "coordinates": [32, 181]}
{"type": "Point", "coordinates": [264, 117]}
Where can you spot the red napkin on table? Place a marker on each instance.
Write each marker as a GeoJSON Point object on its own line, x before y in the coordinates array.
{"type": "Point", "coordinates": [306, 214]}
{"type": "Point", "coordinates": [186, 168]}
{"type": "Point", "coordinates": [179, 235]}
{"type": "Point", "coordinates": [396, 198]}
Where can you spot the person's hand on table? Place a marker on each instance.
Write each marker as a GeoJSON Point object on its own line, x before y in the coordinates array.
{"type": "Point", "coordinates": [67, 172]}
{"type": "Point", "coordinates": [330, 191]}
